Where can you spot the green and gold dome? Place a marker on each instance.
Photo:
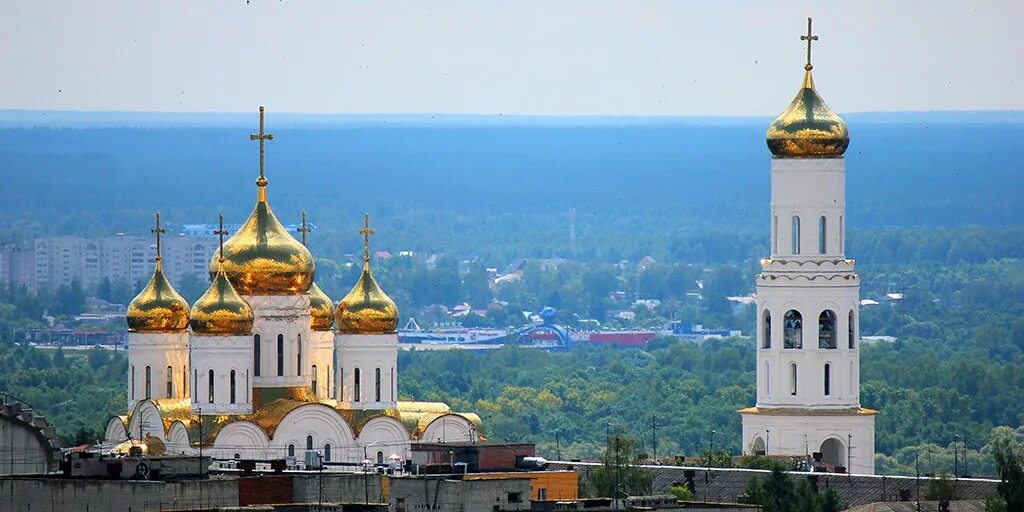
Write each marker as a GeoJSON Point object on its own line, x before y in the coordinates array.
{"type": "Point", "coordinates": [366, 309]}
{"type": "Point", "coordinates": [263, 258]}
{"type": "Point", "coordinates": [158, 307]}
{"type": "Point", "coordinates": [321, 309]}
{"type": "Point", "coordinates": [221, 311]}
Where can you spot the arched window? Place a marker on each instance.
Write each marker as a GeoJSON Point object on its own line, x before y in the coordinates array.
{"type": "Point", "coordinates": [355, 385]}
{"type": "Point", "coordinates": [341, 383]}
{"type": "Point", "coordinates": [149, 383]}
{"type": "Point", "coordinates": [298, 360]}
{"type": "Point", "coordinates": [256, 355]}
{"type": "Point", "coordinates": [766, 333]}
{"type": "Point", "coordinates": [210, 377]}
{"type": "Point", "coordinates": [238, 456]}
{"type": "Point", "coordinates": [133, 382]}
{"type": "Point", "coordinates": [793, 329]}
{"type": "Point", "coordinates": [827, 329]}
{"type": "Point", "coordinates": [821, 235]}
{"type": "Point", "coordinates": [280, 355]}
{"type": "Point", "coordinates": [828, 379]}
{"type": "Point", "coordinates": [393, 385]}
{"type": "Point", "coordinates": [376, 386]}
{"type": "Point", "coordinates": [330, 390]}
{"type": "Point", "coordinates": [232, 386]}
{"type": "Point", "coordinates": [195, 386]}
{"type": "Point", "coordinates": [184, 382]}
{"type": "Point", "coordinates": [327, 452]}
{"type": "Point", "coordinates": [291, 450]}
{"type": "Point", "coordinates": [850, 338]}
{"type": "Point", "coordinates": [796, 235]}
{"type": "Point", "coordinates": [309, 442]}
{"type": "Point", "coordinates": [314, 380]}
{"type": "Point", "coordinates": [380, 457]}
{"type": "Point", "coordinates": [792, 379]}
{"type": "Point", "coordinates": [170, 382]}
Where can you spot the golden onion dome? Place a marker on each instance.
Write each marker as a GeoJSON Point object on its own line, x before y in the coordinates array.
{"type": "Point", "coordinates": [158, 307]}
{"type": "Point", "coordinates": [808, 127]}
{"type": "Point", "coordinates": [321, 309]}
{"type": "Point", "coordinates": [221, 311]}
{"type": "Point", "coordinates": [366, 309]}
{"type": "Point", "coordinates": [263, 258]}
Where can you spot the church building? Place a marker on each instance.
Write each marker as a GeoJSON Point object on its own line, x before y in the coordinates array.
{"type": "Point", "coordinates": [265, 366]}
{"type": "Point", "coordinates": [808, 295]}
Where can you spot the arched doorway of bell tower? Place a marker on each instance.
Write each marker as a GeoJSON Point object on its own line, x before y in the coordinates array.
{"type": "Point", "coordinates": [757, 446]}
{"type": "Point", "coordinates": [833, 453]}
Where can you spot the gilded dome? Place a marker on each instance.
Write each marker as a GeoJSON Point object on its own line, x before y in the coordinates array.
{"type": "Point", "coordinates": [808, 127]}
{"type": "Point", "coordinates": [158, 307]}
{"type": "Point", "coordinates": [321, 309]}
{"type": "Point", "coordinates": [221, 311]}
{"type": "Point", "coordinates": [366, 309]}
{"type": "Point", "coordinates": [263, 258]}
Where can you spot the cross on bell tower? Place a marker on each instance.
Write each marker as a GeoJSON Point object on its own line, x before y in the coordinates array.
{"type": "Point", "coordinates": [157, 230]}
{"type": "Point", "coordinates": [366, 232]}
{"type": "Point", "coordinates": [809, 38]}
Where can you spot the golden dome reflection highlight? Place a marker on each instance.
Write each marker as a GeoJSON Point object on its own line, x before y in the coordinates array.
{"type": "Point", "coordinates": [321, 309]}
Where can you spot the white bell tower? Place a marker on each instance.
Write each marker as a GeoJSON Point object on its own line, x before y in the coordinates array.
{"type": "Point", "coordinates": [808, 297]}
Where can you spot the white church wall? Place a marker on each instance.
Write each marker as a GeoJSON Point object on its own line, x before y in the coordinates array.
{"type": "Point", "coordinates": [146, 420]}
{"type": "Point", "coordinates": [177, 440]}
{"type": "Point", "coordinates": [368, 353]}
{"type": "Point", "coordinates": [798, 435]}
{"type": "Point", "coordinates": [284, 317]}
{"type": "Point", "coordinates": [324, 426]}
{"type": "Point", "coordinates": [386, 435]}
{"type": "Point", "coordinates": [224, 356]}
{"type": "Point", "coordinates": [158, 352]}
{"type": "Point", "coordinates": [245, 439]}
{"type": "Point", "coordinates": [450, 428]}
{"type": "Point", "coordinates": [322, 348]}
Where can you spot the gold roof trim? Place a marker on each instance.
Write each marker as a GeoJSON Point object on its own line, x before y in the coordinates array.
{"type": "Point", "coordinates": [799, 411]}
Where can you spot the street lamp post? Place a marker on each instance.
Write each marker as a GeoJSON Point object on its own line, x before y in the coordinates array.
{"type": "Point", "coordinates": [956, 455]}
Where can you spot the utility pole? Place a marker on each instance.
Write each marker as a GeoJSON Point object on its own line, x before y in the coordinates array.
{"type": "Point", "coordinates": [616, 497]}
{"type": "Point", "coordinates": [956, 455]}
{"type": "Point", "coordinates": [654, 437]}
{"type": "Point", "coordinates": [966, 474]}
{"type": "Point", "coordinates": [917, 468]}
{"type": "Point", "coordinates": [199, 411]}
{"type": "Point", "coordinates": [558, 448]}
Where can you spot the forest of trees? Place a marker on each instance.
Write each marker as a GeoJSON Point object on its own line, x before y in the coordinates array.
{"type": "Point", "coordinates": [931, 218]}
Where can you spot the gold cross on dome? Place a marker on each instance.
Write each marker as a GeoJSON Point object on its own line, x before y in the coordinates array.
{"type": "Point", "coordinates": [221, 232]}
{"type": "Point", "coordinates": [158, 231]}
{"type": "Point", "coordinates": [304, 228]}
{"type": "Point", "coordinates": [366, 232]}
{"type": "Point", "coordinates": [262, 137]}
{"type": "Point", "coordinates": [809, 38]}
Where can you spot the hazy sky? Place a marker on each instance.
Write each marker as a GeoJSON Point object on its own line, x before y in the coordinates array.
{"type": "Point", "coordinates": [587, 57]}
